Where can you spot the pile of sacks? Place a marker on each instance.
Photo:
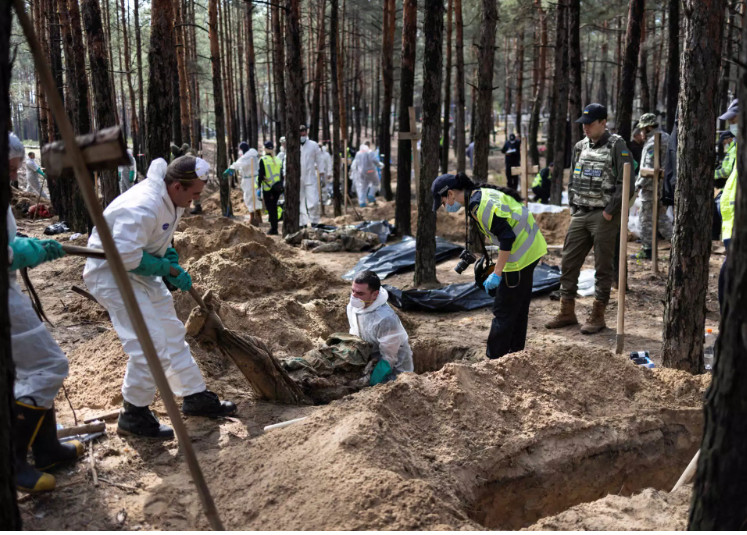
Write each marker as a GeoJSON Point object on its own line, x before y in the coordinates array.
{"type": "Point", "coordinates": [320, 240]}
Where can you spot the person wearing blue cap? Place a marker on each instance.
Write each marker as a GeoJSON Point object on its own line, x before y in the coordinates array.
{"type": "Point", "coordinates": [595, 197]}
{"type": "Point", "coordinates": [271, 179]}
{"type": "Point", "coordinates": [505, 221]}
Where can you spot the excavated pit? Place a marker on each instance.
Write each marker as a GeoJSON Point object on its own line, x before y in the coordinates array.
{"type": "Point", "coordinates": [654, 458]}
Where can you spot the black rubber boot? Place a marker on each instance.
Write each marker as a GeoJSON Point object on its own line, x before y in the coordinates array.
{"type": "Point", "coordinates": [28, 419]}
{"type": "Point", "coordinates": [142, 422]}
{"type": "Point", "coordinates": [207, 403]}
{"type": "Point", "coordinates": [49, 452]}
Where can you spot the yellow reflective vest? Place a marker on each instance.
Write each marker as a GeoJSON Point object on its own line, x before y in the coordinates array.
{"type": "Point", "coordinates": [529, 244]}
{"type": "Point", "coordinates": [728, 196]}
{"type": "Point", "coordinates": [273, 166]}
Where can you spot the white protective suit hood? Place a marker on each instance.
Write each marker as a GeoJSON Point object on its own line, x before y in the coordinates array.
{"type": "Point", "coordinates": [157, 169]}
{"type": "Point", "coordinates": [378, 325]}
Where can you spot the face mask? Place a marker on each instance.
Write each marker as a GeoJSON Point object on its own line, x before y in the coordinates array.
{"type": "Point", "coordinates": [357, 302]}
{"type": "Point", "coordinates": [303, 139]}
{"type": "Point", "coordinates": [733, 128]}
{"type": "Point", "coordinates": [451, 208]}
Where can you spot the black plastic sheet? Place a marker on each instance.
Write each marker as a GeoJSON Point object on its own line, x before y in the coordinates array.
{"type": "Point", "coordinates": [466, 296]}
{"type": "Point", "coordinates": [400, 258]}
{"type": "Point", "coordinates": [381, 228]}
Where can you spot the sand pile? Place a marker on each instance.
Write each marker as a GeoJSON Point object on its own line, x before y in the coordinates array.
{"type": "Point", "coordinates": [497, 444]}
{"type": "Point", "coordinates": [554, 226]}
{"type": "Point", "coordinates": [198, 236]}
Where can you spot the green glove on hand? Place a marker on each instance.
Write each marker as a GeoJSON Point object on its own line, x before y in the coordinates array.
{"type": "Point", "coordinates": [132, 176]}
{"type": "Point", "coordinates": [53, 249]}
{"type": "Point", "coordinates": [228, 172]}
{"type": "Point", "coordinates": [152, 266]}
{"type": "Point", "coordinates": [172, 256]}
{"type": "Point", "coordinates": [27, 252]}
{"type": "Point", "coordinates": [39, 170]}
{"type": "Point", "coordinates": [182, 281]}
{"type": "Point", "coordinates": [381, 370]}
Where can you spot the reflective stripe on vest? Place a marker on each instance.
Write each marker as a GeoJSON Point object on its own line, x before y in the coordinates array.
{"type": "Point", "coordinates": [728, 196]}
{"type": "Point", "coordinates": [529, 244]}
{"type": "Point", "coordinates": [272, 171]}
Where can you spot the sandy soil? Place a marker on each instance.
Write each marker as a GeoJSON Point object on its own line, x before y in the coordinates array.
{"type": "Point", "coordinates": [463, 444]}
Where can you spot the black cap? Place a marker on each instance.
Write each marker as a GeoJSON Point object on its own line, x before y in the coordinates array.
{"type": "Point", "coordinates": [440, 187]}
{"type": "Point", "coordinates": [244, 147]}
{"type": "Point", "coordinates": [726, 134]}
{"type": "Point", "coordinates": [302, 128]}
{"type": "Point", "coordinates": [592, 112]}
{"type": "Point", "coordinates": [269, 145]}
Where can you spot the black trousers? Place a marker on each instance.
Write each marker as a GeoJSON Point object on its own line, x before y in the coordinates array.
{"type": "Point", "coordinates": [508, 331]}
{"type": "Point", "coordinates": [271, 203]}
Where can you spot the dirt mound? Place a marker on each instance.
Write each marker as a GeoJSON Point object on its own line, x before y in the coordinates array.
{"type": "Point", "coordinates": [497, 444]}
{"type": "Point", "coordinates": [554, 226]}
{"type": "Point", "coordinates": [198, 236]}
{"type": "Point", "coordinates": [651, 510]}
{"type": "Point", "coordinates": [211, 202]}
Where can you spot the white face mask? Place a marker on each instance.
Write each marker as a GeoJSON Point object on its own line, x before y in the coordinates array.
{"type": "Point", "coordinates": [733, 128]}
{"type": "Point", "coordinates": [357, 302]}
{"type": "Point", "coordinates": [303, 139]}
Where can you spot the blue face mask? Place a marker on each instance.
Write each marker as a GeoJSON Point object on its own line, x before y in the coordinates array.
{"type": "Point", "coordinates": [451, 208]}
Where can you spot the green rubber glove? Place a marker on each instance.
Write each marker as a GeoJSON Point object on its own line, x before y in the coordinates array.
{"type": "Point", "coordinates": [39, 170]}
{"type": "Point", "coordinates": [381, 370]}
{"type": "Point", "coordinates": [228, 172]}
{"type": "Point", "coordinates": [132, 176]}
{"type": "Point", "coordinates": [152, 266]}
{"type": "Point", "coordinates": [182, 281]}
{"type": "Point", "coordinates": [172, 256]}
{"type": "Point", "coordinates": [53, 249]}
{"type": "Point", "coordinates": [27, 252]}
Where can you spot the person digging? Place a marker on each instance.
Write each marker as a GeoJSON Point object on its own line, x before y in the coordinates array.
{"type": "Point", "coordinates": [143, 221]}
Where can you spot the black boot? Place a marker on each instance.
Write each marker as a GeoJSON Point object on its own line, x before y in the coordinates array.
{"type": "Point", "coordinates": [49, 452]}
{"type": "Point", "coordinates": [142, 422]}
{"type": "Point", "coordinates": [207, 403]}
{"type": "Point", "coordinates": [197, 209]}
{"type": "Point", "coordinates": [28, 419]}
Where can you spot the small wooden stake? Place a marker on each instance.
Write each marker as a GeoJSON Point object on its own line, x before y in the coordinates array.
{"type": "Point", "coordinates": [689, 472]}
{"type": "Point", "coordinates": [524, 170]}
{"type": "Point", "coordinates": [413, 136]}
{"type": "Point", "coordinates": [319, 187]}
{"type": "Point", "coordinates": [620, 338]}
{"type": "Point", "coordinates": [655, 207]}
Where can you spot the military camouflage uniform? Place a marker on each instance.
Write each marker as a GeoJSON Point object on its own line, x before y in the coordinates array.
{"type": "Point", "coordinates": [645, 186]}
{"type": "Point", "coordinates": [595, 186]}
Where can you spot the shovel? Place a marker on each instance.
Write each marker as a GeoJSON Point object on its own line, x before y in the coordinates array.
{"type": "Point", "coordinates": [252, 356]}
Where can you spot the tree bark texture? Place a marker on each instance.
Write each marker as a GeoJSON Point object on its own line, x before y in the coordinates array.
{"type": "Point", "coordinates": [105, 111]}
{"type": "Point", "coordinates": [484, 111]}
{"type": "Point", "coordinates": [162, 71]}
{"type": "Point", "coordinates": [278, 74]}
{"type": "Point", "coordinates": [295, 115]}
{"type": "Point", "coordinates": [387, 75]}
{"type": "Point", "coordinates": [425, 244]}
{"type": "Point", "coordinates": [55, 64]}
{"type": "Point", "coordinates": [684, 309]}
{"type": "Point", "coordinates": [461, 95]}
{"type": "Point", "coordinates": [519, 77]}
{"type": "Point", "coordinates": [445, 138]}
{"type": "Point", "coordinates": [336, 143]}
{"type": "Point", "coordinates": [138, 56]}
{"type": "Point", "coordinates": [539, 94]}
{"type": "Point", "coordinates": [10, 518]}
{"type": "Point", "coordinates": [181, 66]}
{"type": "Point", "coordinates": [406, 90]}
{"type": "Point", "coordinates": [316, 103]}
{"type": "Point", "coordinates": [645, 94]}
{"type": "Point", "coordinates": [251, 70]}
{"type": "Point", "coordinates": [221, 161]}
{"type": "Point", "coordinates": [626, 92]}
{"type": "Point", "coordinates": [673, 62]}
{"type": "Point", "coordinates": [575, 105]}
{"type": "Point", "coordinates": [719, 501]}
{"type": "Point", "coordinates": [559, 101]}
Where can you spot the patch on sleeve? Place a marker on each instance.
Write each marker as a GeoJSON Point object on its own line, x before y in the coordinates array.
{"type": "Point", "coordinates": [625, 153]}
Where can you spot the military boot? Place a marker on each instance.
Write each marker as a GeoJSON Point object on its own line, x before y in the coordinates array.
{"type": "Point", "coordinates": [49, 452]}
{"type": "Point", "coordinates": [142, 422]}
{"type": "Point", "coordinates": [566, 316]}
{"type": "Point", "coordinates": [207, 403]}
{"type": "Point", "coordinates": [28, 419]}
{"type": "Point", "coordinates": [595, 320]}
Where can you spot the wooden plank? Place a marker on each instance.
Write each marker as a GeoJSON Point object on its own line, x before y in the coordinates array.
{"type": "Point", "coordinates": [655, 207]}
{"type": "Point", "coordinates": [623, 266]}
{"type": "Point", "coordinates": [102, 149]}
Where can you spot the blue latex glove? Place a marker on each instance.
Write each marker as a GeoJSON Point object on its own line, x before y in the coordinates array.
{"type": "Point", "coordinates": [53, 249]}
{"type": "Point", "coordinates": [27, 252]}
{"type": "Point", "coordinates": [152, 266]}
{"type": "Point", "coordinates": [381, 370]}
{"type": "Point", "coordinates": [182, 281]}
{"type": "Point", "coordinates": [492, 282]}
{"type": "Point", "coordinates": [172, 256]}
{"type": "Point", "coordinates": [228, 172]}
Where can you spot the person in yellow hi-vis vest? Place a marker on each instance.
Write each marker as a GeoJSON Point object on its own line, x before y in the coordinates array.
{"type": "Point", "coordinates": [728, 196]}
{"type": "Point", "coordinates": [506, 222]}
{"type": "Point", "coordinates": [271, 178]}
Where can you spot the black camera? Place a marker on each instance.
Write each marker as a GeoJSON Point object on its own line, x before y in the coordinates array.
{"type": "Point", "coordinates": [466, 259]}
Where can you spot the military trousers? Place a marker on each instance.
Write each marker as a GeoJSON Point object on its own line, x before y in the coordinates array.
{"type": "Point", "coordinates": [664, 226]}
{"type": "Point", "coordinates": [589, 229]}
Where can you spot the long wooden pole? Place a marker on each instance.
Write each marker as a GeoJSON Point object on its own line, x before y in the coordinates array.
{"type": "Point", "coordinates": [319, 187]}
{"type": "Point", "coordinates": [655, 207]}
{"type": "Point", "coordinates": [82, 175]}
{"type": "Point", "coordinates": [622, 275]}
{"type": "Point", "coordinates": [254, 193]}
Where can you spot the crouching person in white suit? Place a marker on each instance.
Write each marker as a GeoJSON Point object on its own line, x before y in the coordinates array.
{"type": "Point", "coordinates": [143, 221]}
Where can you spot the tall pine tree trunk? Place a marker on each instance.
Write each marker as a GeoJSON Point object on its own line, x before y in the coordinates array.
{"type": "Point", "coordinates": [131, 90]}
{"type": "Point", "coordinates": [445, 138]}
{"type": "Point", "coordinates": [575, 106]}
{"type": "Point", "coordinates": [646, 105]}
{"type": "Point", "coordinates": [425, 244]}
{"type": "Point", "coordinates": [673, 62]}
{"type": "Point", "coordinates": [221, 162]}
{"type": "Point", "coordinates": [626, 92]}
{"type": "Point", "coordinates": [336, 125]}
{"type": "Point", "coordinates": [461, 95]}
{"type": "Point", "coordinates": [559, 101]}
{"type": "Point", "coordinates": [406, 90]}
{"type": "Point", "coordinates": [278, 74]}
{"type": "Point", "coordinates": [719, 501]}
{"type": "Point", "coordinates": [539, 95]}
{"type": "Point", "coordinates": [387, 75]}
{"type": "Point", "coordinates": [484, 107]}
{"type": "Point", "coordinates": [316, 103]}
{"type": "Point", "coordinates": [181, 66]}
{"type": "Point", "coordinates": [687, 285]}
{"type": "Point", "coordinates": [139, 63]}
{"type": "Point", "coordinates": [161, 66]}
{"type": "Point", "coordinates": [251, 71]}
{"type": "Point", "coordinates": [295, 115]}
{"type": "Point", "coordinates": [519, 77]}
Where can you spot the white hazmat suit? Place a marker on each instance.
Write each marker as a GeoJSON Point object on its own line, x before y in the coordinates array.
{"type": "Point", "coordinates": [33, 184]}
{"type": "Point", "coordinates": [144, 219]}
{"type": "Point", "coordinates": [363, 173]}
{"type": "Point", "coordinates": [244, 165]}
{"type": "Point", "coordinates": [378, 325]}
{"type": "Point", "coordinates": [311, 161]}
{"type": "Point", "coordinates": [124, 173]}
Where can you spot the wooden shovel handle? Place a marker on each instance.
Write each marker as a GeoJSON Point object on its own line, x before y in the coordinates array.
{"type": "Point", "coordinates": [83, 251]}
{"type": "Point", "coordinates": [195, 295]}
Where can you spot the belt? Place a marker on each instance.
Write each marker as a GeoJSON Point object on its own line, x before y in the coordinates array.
{"type": "Point", "coordinates": [586, 209]}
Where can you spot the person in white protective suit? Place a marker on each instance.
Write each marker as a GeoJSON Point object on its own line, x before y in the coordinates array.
{"type": "Point", "coordinates": [33, 172]}
{"type": "Point", "coordinates": [311, 161]}
{"type": "Point", "coordinates": [127, 173]}
{"type": "Point", "coordinates": [364, 174]}
{"type": "Point", "coordinates": [248, 167]}
{"type": "Point", "coordinates": [143, 221]}
{"type": "Point", "coordinates": [40, 365]}
{"type": "Point", "coordinates": [281, 152]}
{"type": "Point", "coordinates": [373, 320]}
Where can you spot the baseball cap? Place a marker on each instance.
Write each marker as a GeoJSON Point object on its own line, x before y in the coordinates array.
{"type": "Point", "coordinates": [592, 112]}
{"type": "Point", "coordinates": [648, 119]}
{"type": "Point", "coordinates": [302, 128]}
{"type": "Point", "coordinates": [726, 134]}
{"type": "Point", "coordinates": [244, 147]}
{"type": "Point", "coordinates": [269, 145]}
{"type": "Point", "coordinates": [440, 186]}
{"type": "Point", "coordinates": [731, 112]}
